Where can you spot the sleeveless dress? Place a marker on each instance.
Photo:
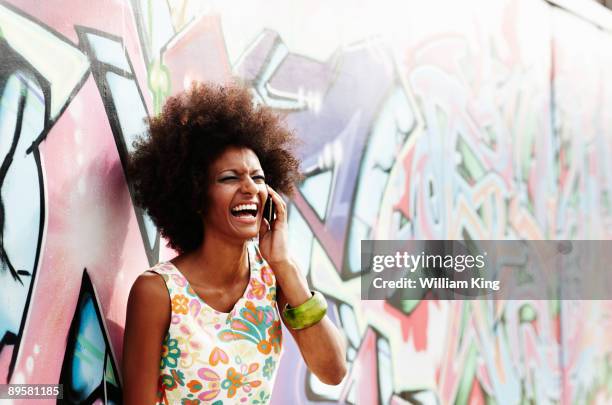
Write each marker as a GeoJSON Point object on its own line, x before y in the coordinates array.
{"type": "Point", "coordinates": [211, 357]}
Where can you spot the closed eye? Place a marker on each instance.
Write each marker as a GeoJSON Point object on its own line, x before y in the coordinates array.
{"type": "Point", "coordinates": [256, 178]}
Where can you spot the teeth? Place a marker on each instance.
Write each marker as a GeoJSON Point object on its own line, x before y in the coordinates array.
{"type": "Point", "coordinates": [245, 207]}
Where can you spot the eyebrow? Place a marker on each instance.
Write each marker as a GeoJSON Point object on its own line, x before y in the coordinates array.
{"type": "Point", "coordinates": [239, 171]}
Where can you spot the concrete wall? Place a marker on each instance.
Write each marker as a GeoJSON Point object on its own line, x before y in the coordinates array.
{"type": "Point", "coordinates": [425, 120]}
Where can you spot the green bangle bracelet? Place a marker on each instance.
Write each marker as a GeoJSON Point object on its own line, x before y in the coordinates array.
{"type": "Point", "coordinates": [306, 314]}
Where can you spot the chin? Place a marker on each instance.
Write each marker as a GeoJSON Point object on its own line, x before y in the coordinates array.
{"type": "Point", "coordinates": [246, 235]}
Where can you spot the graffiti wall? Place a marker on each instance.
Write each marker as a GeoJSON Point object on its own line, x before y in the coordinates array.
{"type": "Point", "coordinates": [428, 120]}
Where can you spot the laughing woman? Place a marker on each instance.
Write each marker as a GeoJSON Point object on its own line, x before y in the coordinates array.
{"type": "Point", "coordinates": [205, 327]}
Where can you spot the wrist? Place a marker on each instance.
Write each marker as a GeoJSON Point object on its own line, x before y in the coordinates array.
{"type": "Point", "coordinates": [307, 314]}
{"type": "Point", "coordinates": [284, 270]}
{"type": "Point", "coordinates": [281, 264]}
{"type": "Point", "coordinates": [291, 281]}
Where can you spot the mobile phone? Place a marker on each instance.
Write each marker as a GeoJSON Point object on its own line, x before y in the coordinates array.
{"type": "Point", "coordinates": [269, 210]}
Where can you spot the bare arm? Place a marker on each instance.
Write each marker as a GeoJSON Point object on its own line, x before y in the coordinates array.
{"type": "Point", "coordinates": [146, 324]}
{"type": "Point", "coordinates": [322, 346]}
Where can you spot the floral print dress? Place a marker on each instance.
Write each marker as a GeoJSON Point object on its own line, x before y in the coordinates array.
{"type": "Point", "coordinates": [211, 357]}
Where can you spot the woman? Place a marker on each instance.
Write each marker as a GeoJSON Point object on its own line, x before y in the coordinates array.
{"type": "Point", "coordinates": [205, 326]}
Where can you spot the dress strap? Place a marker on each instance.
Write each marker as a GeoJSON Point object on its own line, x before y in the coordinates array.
{"type": "Point", "coordinates": [173, 279]}
{"type": "Point", "coordinates": [256, 254]}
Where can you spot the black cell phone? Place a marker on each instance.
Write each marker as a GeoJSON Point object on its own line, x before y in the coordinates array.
{"type": "Point", "coordinates": [269, 210]}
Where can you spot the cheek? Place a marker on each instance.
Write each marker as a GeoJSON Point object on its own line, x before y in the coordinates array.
{"type": "Point", "coordinates": [219, 200]}
{"type": "Point", "coordinates": [216, 213]}
{"type": "Point", "coordinates": [263, 194]}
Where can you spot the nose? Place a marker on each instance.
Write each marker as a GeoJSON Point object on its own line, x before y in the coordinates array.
{"type": "Point", "coordinates": [248, 186]}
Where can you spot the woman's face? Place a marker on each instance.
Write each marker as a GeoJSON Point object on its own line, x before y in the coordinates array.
{"type": "Point", "coordinates": [237, 194]}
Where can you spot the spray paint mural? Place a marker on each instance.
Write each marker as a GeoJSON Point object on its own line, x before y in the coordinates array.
{"type": "Point", "coordinates": [491, 123]}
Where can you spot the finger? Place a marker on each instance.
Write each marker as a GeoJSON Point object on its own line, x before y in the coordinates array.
{"type": "Point", "coordinates": [277, 197]}
{"type": "Point", "coordinates": [280, 205]}
{"type": "Point", "coordinates": [278, 200]}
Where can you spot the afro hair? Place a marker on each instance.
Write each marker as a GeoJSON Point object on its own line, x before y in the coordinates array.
{"type": "Point", "coordinates": [169, 167]}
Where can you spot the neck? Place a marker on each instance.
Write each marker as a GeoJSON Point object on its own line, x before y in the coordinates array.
{"type": "Point", "coordinates": [222, 262]}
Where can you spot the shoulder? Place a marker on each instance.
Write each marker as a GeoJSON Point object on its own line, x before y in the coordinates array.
{"type": "Point", "coordinates": [149, 292]}
{"type": "Point", "coordinates": [149, 283]}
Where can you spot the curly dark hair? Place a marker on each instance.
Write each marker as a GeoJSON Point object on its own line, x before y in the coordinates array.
{"type": "Point", "coordinates": [168, 170]}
